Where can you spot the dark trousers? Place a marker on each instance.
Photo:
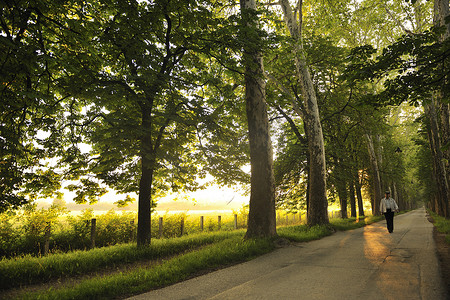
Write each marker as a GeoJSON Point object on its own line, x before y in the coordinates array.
{"type": "Point", "coordinates": [389, 215]}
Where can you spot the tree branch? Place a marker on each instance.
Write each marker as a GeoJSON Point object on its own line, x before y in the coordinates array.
{"type": "Point", "coordinates": [294, 128]}
{"type": "Point", "coordinates": [409, 32]}
{"type": "Point", "coordinates": [294, 100]}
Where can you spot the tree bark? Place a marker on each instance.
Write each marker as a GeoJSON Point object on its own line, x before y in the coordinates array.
{"type": "Point", "coordinates": [444, 125]}
{"type": "Point", "coordinates": [145, 183]}
{"type": "Point", "coordinates": [317, 202]}
{"type": "Point", "coordinates": [438, 164]}
{"type": "Point", "coordinates": [441, 12]}
{"type": "Point", "coordinates": [359, 197]}
{"type": "Point", "coordinates": [340, 181]}
{"type": "Point", "coordinates": [375, 176]}
{"type": "Point", "coordinates": [342, 193]}
{"type": "Point", "coordinates": [352, 200]}
{"type": "Point", "coordinates": [261, 219]}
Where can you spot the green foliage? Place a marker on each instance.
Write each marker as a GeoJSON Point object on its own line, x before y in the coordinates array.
{"type": "Point", "coordinates": [113, 228]}
{"type": "Point", "coordinates": [412, 67]}
{"type": "Point", "coordinates": [85, 73]}
{"type": "Point", "coordinates": [424, 171]}
{"type": "Point", "coordinates": [158, 85]}
{"type": "Point", "coordinates": [171, 225]}
{"type": "Point", "coordinates": [289, 171]}
{"type": "Point", "coordinates": [29, 109]}
{"type": "Point", "coordinates": [124, 202]}
{"type": "Point", "coordinates": [9, 234]}
{"type": "Point", "coordinates": [25, 232]}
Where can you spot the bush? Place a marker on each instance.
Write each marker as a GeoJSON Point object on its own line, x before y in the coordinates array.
{"type": "Point", "coordinates": [9, 234]}
{"type": "Point", "coordinates": [113, 228]}
{"type": "Point", "coordinates": [171, 225]}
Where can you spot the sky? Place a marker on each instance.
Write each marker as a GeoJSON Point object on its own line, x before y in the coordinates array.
{"type": "Point", "coordinates": [213, 198]}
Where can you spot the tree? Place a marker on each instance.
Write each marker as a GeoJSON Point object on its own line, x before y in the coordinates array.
{"type": "Point", "coordinates": [413, 69]}
{"type": "Point", "coordinates": [317, 201]}
{"type": "Point", "coordinates": [30, 108]}
{"type": "Point", "coordinates": [261, 219]}
{"type": "Point", "coordinates": [439, 125]}
{"type": "Point", "coordinates": [135, 75]}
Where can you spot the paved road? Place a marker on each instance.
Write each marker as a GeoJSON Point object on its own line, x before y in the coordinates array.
{"type": "Point", "coordinates": [366, 263]}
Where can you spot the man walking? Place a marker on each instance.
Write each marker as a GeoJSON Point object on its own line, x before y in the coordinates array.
{"type": "Point", "coordinates": [387, 207]}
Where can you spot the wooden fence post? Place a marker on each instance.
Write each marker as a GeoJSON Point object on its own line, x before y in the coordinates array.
{"type": "Point", "coordinates": [219, 222]}
{"type": "Point", "coordinates": [235, 221]}
{"type": "Point", "coordinates": [182, 227]}
{"type": "Point", "coordinates": [93, 230]}
{"type": "Point", "coordinates": [160, 231]}
{"type": "Point", "coordinates": [47, 238]}
{"type": "Point", "coordinates": [201, 222]}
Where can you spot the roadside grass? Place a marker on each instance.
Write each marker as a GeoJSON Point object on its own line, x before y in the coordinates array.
{"type": "Point", "coordinates": [181, 258]}
{"type": "Point", "coordinates": [305, 233]}
{"type": "Point", "coordinates": [29, 270]}
{"type": "Point", "coordinates": [353, 223]}
{"type": "Point", "coordinates": [225, 252]}
{"type": "Point", "coordinates": [442, 225]}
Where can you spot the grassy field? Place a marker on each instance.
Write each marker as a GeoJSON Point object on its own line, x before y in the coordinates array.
{"type": "Point", "coordinates": [122, 270]}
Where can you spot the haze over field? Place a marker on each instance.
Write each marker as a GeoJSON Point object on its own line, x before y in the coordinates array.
{"type": "Point", "coordinates": [210, 199]}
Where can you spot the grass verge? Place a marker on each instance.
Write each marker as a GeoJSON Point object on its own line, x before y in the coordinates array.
{"type": "Point", "coordinates": [28, 270]}
{"type": "Point", "coordinates": [225, 252]}
{"type": "Point", "coordinates": [353, 223]}
{"type": "Point", "coordinates": [304, 233]}
{"type": "Point", "coordinates": [442, 225]}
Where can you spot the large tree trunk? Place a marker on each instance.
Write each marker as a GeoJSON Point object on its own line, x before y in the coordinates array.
{"type": "Point", "coordinates": [359, 197]}
{"type": "Point", "coordinates": [396, 196]}
{"type": "Point", "coordinates": [375, 176]}
{"type": "Point", "coordinates": [342, 194]}
{"type": "Point", "coordinates": [340, 181]}
{"type": "Point", "coordinates": [145, 183]}
{"type": "Point", "coordinates": [261, 219]}
{"type": "Point", "coordinates": [357, 187]}
{"type": "Point", "coordinates": [352, 200]}
{"type": "Point", "coordinates": [444, 125]}
{"type": "Point", "coordinates": [441, 11]}
{"type": "Point", "coordinates": [318, 203]}
{"type": "Point", "coordinates": [438, 163]}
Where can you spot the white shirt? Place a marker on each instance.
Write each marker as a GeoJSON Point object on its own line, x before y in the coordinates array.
{"type": "Point", "coordinates": [388, 203]}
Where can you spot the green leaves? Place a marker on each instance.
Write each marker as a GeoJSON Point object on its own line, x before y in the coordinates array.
{"type": "Point", "coordinates": [92, 89]}
{"type": "Point", "coordinates": [87, 191]}
{"type": "Point", "coordinates": [411, 67]}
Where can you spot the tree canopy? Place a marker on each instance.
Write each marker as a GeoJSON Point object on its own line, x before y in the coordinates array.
{"type": "Point", "coordinates": [149, 96]}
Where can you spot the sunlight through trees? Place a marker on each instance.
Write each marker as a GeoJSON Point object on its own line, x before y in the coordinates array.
{"type": "Point", "coordinates": [331, 103]}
